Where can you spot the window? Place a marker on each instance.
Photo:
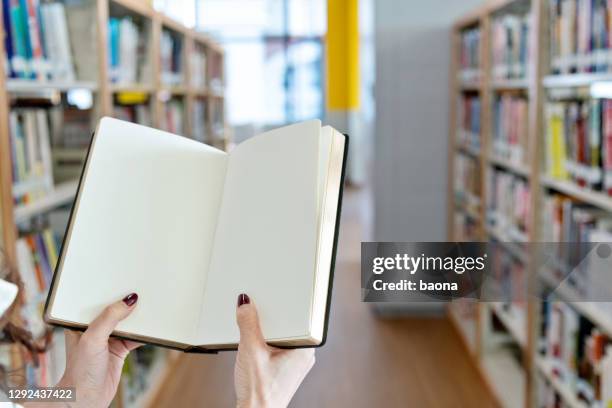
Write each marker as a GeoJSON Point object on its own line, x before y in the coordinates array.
{"type": "Point", "coordinates": [274, 57]}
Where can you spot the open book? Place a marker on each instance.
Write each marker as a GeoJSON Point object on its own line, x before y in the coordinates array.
{"type": "Point", "coordinates": [189, 227]}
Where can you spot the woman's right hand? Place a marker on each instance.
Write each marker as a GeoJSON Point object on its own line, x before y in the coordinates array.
{"type": "Point", "coordinates": [265, 376]}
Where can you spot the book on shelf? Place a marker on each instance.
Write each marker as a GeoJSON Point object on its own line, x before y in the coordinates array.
{"type": "Point", "coordinates": [580, 36]}
{"type": "Point", "coordinates": [37, 40]}
{"type": "Point", "coordinates": [189, 245]}
{"type": "Point", "coordinates": [32, 165]}
{"type": "Point", "coordinates": [198, 121]}
{"type": "Point", "coordinates": [579, 142]}
{"type": "Point", "coordinates": [215, 72]}
{"type": "Point", "coordinates": [139, 113]}
{"type": "Point", "coordinates": [173, 116]}
{"type": "Point", "coordinates": [577, 353]}
{"type": "Point", "coordinates": [467, 182]}
{"type": "Point", "coordinates": [510, 46]}
{"type": "Point", "coordinates": [217, 121]}
{"type": "Point", "coordinates": [508, 287]}
{"type": "Point", "coordinates": [566, 220]}
{"type": "Point", "coordinates": [82, 26]}
{"type": "Point", "coordinates": [128, 52]}
{"type": "Point", "coordinates": [508, 200]}
{"type": "Point", "coordinates": [37, 255]}
{"type": "Point", "coordinates": [510, 120]}
{"type": "Point", "coordinates": [469, 55]}
{"type": "Point", "coordinates": [133, 107]}
{"type": "Point", "coordinates": [171, 54]}
{"type": "Point", "coordinates": [197, 68]}
{"type": "Point", "coordinates": [469, 115]}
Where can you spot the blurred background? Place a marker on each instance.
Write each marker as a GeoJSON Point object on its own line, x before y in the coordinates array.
{"type": "Point", "coordinates": [469, 120]}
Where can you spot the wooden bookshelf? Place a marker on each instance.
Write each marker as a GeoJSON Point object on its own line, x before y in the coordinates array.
{"type": "Point", "coordinates": [502, 373]}
{"type": "Point", "coordinates": [152, 89]}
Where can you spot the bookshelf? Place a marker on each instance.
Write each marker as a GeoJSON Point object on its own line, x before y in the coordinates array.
{"type": "Point", "coordinates": [133, 63]}
{"type": "Point", "coordinates": [563, 73]}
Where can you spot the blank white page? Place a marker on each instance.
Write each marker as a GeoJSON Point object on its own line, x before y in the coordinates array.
{"type": "Point", "coordinates": [266, 237]}
{"type": "Point", "coordinates": [145, 223]}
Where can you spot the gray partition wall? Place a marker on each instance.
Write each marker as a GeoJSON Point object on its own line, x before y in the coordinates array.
{"type": "Point", "coordinates": [411, 130]}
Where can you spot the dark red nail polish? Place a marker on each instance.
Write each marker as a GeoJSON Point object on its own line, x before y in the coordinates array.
{"type": "Point", "coordinates": [243, 299]}
{"type": "Point", "coordinates": [130, 299]}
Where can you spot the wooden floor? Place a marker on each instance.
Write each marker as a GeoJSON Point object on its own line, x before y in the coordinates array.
{"type": "Point", "coordinates": [367, 362]}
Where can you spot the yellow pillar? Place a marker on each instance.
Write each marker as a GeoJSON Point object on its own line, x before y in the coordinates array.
{"type": "Point", "coordinates": [342, 55]}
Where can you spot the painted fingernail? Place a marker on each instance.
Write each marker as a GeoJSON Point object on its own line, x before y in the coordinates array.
{"type": "Point", "coordinates": [130, 299]}
{"type": "Point", "coordinates": [243, 299]}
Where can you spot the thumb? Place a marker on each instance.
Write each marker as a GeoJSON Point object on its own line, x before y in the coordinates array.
{"type": "Point", "coordinates": [102, 327]}
{"type": "Point", "coordinates": [248, 323]}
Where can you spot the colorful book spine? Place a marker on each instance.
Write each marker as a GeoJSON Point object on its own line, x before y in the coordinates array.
{"type": "Point", "coordinates": [510, 46]}
{"type": "Point", "coordinates": [469, 121]}
{"type": "Point", "coordinates": [35, 42]}
{"type": "Point", "coordinates": [510, 119]}
{"type": "Point", "coordinates": [20, 60]}
{"type": "Point", "coordinates": [580, 36]}
{"type": "Point", "coordinates": [578, 142]}
{"type": "Point", "coordinates": [469, 58]}
{"type": "Point", "coordinates": [508, 204]}
{"type": "Point", "coordinates": [8, 40]}
{"type": "Point", "coordinates": [30, 154]}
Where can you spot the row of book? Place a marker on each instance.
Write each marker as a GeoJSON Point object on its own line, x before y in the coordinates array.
{"type": "Point", "coordinates": [469, 58]}
{"type": "Point", "coordinates": [567, 220]}
{"type": "Point", "coordinates": [217, 119]}
{"type": "Point", "coordinates": [198, 121]}
{"type": "Point", "coordinates": [140, 113]}
{"type": "Point", "coordinates": [215, 72]}
{"type": "Point", "coordinates": [197, 60]}
{"type": "Point", "coordinates": [508, 204]}
{"type": "Point", "coordinates": [510, 127]}
{"type": "Point", "coordinates": [41, 40]}
{"type": "Point", "coordinates": [171, 54]}
{"type": "Point", "coordinates": [510, 46]}
{"type": "Point", "coordinates": [578, 354]}
{"type": "Point", "coordinates": [173, 116]}
{"type": "Point", "coordinates": [32, 166]}
{"type": "Point", "coordinates": [36, 40]}
{"type": "Point", "coordinates": [508, 273]}
{"type": "Point", "coordinates": [128, 53]}
{"type": "Point", "coordinates": [580, 36]}
{"type": "Point", "coordinates": [469, 116]}
{"type": "Point", "coordinates": [37, 255]}
{"type": "Point", "coordinates": [579, 142]}
{"type": "Point", "coordinates": [467, 182]}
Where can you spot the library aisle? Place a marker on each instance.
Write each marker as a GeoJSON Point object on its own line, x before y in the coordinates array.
{"type": "Point", "coordinates": [476, 125]}
{"type": "Point", "coordinates": [366, 362]}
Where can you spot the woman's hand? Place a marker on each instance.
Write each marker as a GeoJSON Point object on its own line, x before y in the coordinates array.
{"type": "Point", "coordinates": [265, 376]}
{"type": "Point", "coordinates": [94, 361]}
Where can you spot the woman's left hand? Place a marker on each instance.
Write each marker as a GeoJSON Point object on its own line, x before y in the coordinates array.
{"type": "Point", "coordinates": [94, 360]}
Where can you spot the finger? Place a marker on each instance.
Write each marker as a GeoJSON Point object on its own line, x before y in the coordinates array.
{"type": "Point", "coordinates": [72, 340]}
{"type": "Point", "coordinates": [121, 348]}
{"type": "Point", "coordinates": [248, 323]}
{"type": "Point", "coordinates": [132, 345]}
{"type": "Point", "coordinates": [102, 327]}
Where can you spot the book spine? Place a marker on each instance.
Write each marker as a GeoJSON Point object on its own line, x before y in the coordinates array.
{"type": "Point", "coordinates": [32, 22]}
{"type": "Point", "coordinates": [20, 61]}
{"type": "Point", "coordinates": [8, 40]}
